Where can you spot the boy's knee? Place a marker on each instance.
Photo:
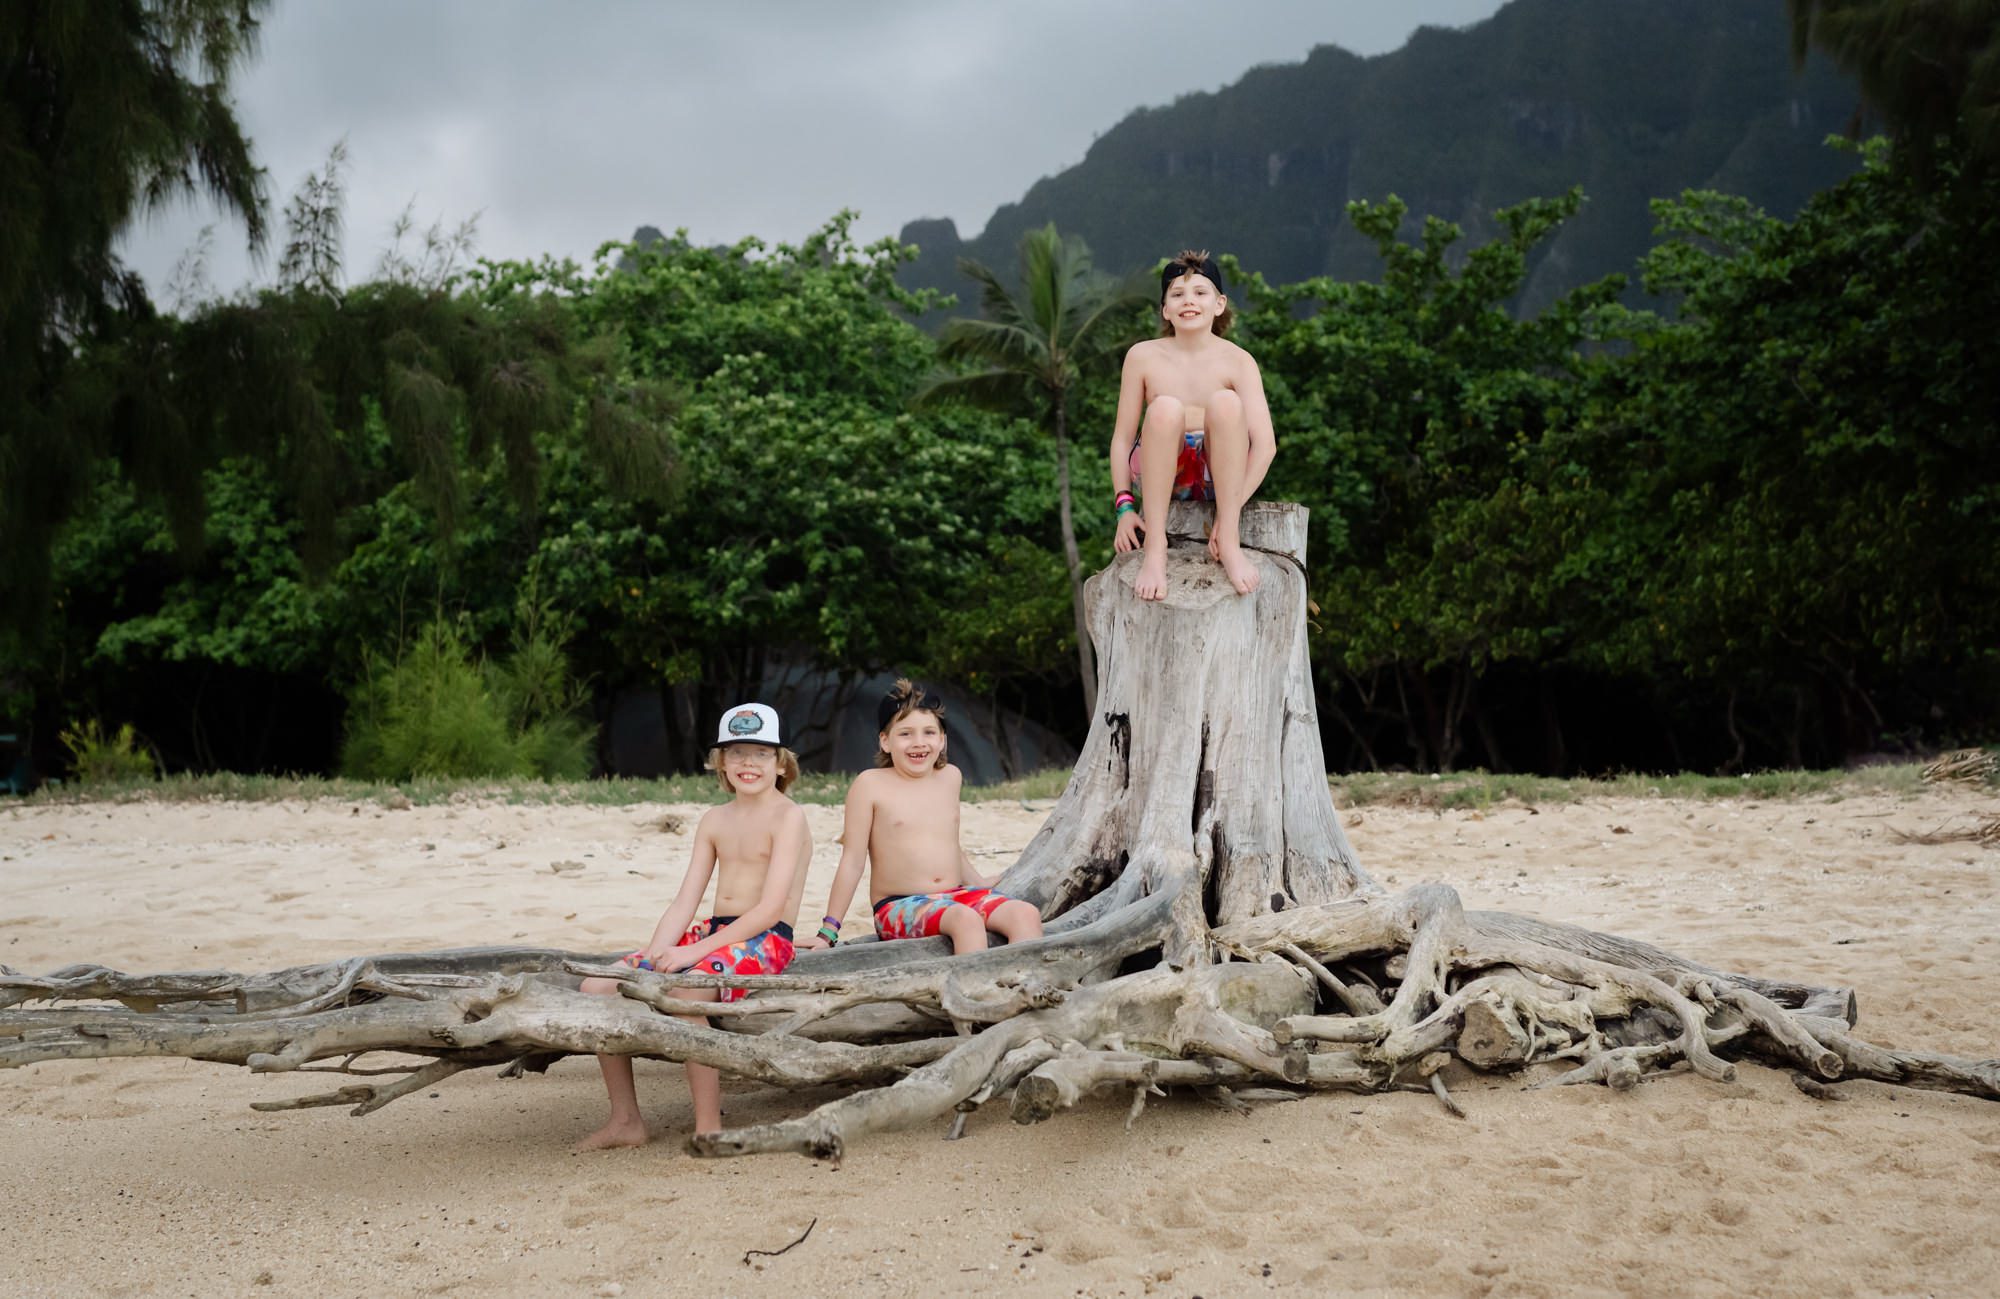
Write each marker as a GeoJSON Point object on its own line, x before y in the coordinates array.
{"type": "Point", "coordinates": [1224, 404]}
{"type": "Point", "coordinates": [958, 919]}
{"type": "Point", "coordinates": [1018, 917]}
{"type": "Point", "coordinates": [1166, 413]}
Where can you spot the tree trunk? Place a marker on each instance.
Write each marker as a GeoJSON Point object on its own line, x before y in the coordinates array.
{"type": "Point", "coordinates": [1210, 926]}
{"type": "Point", "coordinates": [1085, 659]}
{"type": "Point", "coordinates": [1205, 743]}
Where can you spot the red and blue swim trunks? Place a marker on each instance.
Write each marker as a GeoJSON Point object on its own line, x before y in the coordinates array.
{"type": "Point", "coordinates": [766, 953]}
{"type": "Point", "coordinates": [1192, 480]}
{"type": "Point", "coordinates": [916, 915]}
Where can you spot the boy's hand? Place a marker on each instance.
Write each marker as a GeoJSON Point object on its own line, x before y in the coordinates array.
{"type": "Point", "coordinates": [1127, 538]}
{"type": "Point", "coordinates": [814, 943]}
{"type": "Point", "coordinates": [674, 961]}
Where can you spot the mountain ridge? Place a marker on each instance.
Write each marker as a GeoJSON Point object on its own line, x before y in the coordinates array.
{"type": "Point", "coordinates": [1633, 101]}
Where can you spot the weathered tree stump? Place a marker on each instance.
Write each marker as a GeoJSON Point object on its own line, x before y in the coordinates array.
{"type": "Point", "coordinates": [1209, 927]}
{"type": "Point", "coordinates": [1203, 764]}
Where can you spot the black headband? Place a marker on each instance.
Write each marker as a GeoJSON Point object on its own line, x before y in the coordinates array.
{"type": "Point", "coordinates": [1206, 267]}
{"type": "Point", "coordinates": [919, 700]}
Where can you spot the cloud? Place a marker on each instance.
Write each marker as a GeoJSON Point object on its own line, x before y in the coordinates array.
{"type": "Point", "coordinates": [567, 125]}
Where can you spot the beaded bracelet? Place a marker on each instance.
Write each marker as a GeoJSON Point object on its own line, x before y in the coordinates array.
{"type": "Point", "coordinates": [1123, 498]}
{"type": "Point", "coordinates": [829, 929]}
{"type": "Point", "coordinates": [1125, 507]}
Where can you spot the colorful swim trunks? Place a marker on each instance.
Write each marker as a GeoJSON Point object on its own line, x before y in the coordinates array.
{"type": "Point", "coordinates": [916, 915]}
{"type": "Point", "coordinates": [1191, 477]}
{"type": "Point", "coordinates": [766, 953]}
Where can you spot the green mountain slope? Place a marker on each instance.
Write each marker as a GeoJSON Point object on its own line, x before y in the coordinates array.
{"type": "Point", "coordinates": [1633, 100]}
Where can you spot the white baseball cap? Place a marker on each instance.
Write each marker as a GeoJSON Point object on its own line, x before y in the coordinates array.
{"type": "Point", "coordinates": [748, 724]}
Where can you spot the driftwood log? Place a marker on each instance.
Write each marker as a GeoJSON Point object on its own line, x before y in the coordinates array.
{"type": "Point", "coordinates": [1209, 927]}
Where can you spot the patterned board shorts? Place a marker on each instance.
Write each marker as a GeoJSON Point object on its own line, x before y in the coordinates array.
{"type": "Point", "coordinates": [766, 953]}
{"type": "Point", "coordinates": [1191, 477]}
{"type": "Point", "coordinates": [916, 915]}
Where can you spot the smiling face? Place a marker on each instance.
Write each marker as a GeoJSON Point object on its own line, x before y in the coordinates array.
{"type": "Point", "coordinates": [749, 768]}
{"type": "Point", "coordinates": [914, 743]}
{"type": "Point", "coordinates": [1192, 304]}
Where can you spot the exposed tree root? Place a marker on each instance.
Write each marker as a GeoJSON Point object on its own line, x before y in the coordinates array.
{"type": "Point", "coordinates": [1209, 928]}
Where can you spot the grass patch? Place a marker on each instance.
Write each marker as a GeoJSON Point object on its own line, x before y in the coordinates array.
{"type": "Point", "coordinates": [823, 788]}
{"type": "Point", "coordinates": [1479, 789]}
{"type": "Point", "coordinates": [1459, 789]}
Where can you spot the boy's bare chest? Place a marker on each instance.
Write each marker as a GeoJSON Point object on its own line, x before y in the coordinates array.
{"type": "Point", "coordinates": [917, 809]}
{"type": "Point", "coordinates": [1190, 381]}
{"type": "Point", "coordinates": [743, 845]}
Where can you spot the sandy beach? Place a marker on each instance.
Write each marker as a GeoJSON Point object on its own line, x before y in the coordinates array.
{"type": "Point", "coordinates": [139, 1177]}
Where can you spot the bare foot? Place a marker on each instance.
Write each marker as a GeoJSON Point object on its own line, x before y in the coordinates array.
{"type": "Point", "coordinates": [1242, 572]}
{"type": "Point", "coordinates": [614, 1136]}
{"type": "Point", "coordinates": [1152, 580]}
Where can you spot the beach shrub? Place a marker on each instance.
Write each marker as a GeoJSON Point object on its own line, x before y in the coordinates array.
{"type": "Point", "coordinates": [98, 757]}
{"type": "Point", "coordinates": [440, 709]}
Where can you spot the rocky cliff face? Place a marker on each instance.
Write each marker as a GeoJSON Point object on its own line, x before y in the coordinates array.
{"type": "Point", "coordinates": [1633, 101]}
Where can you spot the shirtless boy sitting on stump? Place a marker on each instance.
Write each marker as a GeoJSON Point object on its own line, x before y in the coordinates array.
{"type": "Point", "coordinates": [902, 823]}
{"type": "Point", "coordinates": [1207, 431]}
{"type": "Point", "coordinates": [756, 848]}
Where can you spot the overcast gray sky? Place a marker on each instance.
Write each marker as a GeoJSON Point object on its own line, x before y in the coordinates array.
{"type": "Point", "coordinates": [567, 124]}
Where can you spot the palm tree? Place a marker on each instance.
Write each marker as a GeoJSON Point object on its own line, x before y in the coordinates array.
{"type": "Point", "coordinates": [1069, 326]}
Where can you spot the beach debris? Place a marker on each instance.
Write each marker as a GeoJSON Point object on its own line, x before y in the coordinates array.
{"type": "Point", "coordinates": [1209, 927]}
{"type": "Point", "coordinates": [1816, 1089]}
{"type": "Point", "coordinates": [773, 1253]}
{"type": "Point", "coordinates": [1982, 830]}
{"type": "Point", "coordinates": [1965, 767]}
{"type": "Point", "coordinates": [671, 823]}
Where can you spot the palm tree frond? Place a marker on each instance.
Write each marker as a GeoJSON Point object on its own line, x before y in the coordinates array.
{"type": "Point", "coordinates": [993, 343]}
{"type": "Point", "coordinates": [1006, 391]}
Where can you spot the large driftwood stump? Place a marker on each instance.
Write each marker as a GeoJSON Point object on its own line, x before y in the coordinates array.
{"type": "Point", "coordinates": [1210, 927]}
{"type": "Point", "coordinates": [1203, 764]}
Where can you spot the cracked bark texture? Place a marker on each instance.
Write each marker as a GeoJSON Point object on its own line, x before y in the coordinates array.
{"type": "Point", "coordinates": [1210, 927]}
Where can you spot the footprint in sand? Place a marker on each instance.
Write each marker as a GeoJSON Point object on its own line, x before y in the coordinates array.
{"type": "Point", "coordinates": [1728, 1211]}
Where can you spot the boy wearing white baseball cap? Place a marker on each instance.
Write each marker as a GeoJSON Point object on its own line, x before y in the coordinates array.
{"type": "Point", "coordinates": [757, 847]}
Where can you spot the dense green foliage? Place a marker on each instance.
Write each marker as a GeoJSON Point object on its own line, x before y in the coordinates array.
{"type": "Point", "coordinates": [438, 710]}
{"type": "Point", "coordinates": [1753, 530]}
{"type": "Point", "coordinates": [1932, 70]}
{"type": "Point", "coordinates": [1030, 354]}
{"type": "Point", "coordinates": [98, 757]}
{"type": "Point", "coordinates": [1776, 508]}
{"type": "Point", "coordinates": [1420, 411]}
{"type": "Point", "coordinates": [107, 111]}
{"type": "Point", "coordinates": [396, 525]}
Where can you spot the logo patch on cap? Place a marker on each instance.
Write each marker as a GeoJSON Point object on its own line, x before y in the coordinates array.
{"type": "Point", "coordinates": [746, 722]}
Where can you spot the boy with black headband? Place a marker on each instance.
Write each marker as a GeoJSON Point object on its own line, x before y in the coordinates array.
{"type": "Point", "coordinates": [1206, 431]}
{"type": "Point", "coordinates": [757, 848]}
{"type": "Point", "coordinates": [902, 823]}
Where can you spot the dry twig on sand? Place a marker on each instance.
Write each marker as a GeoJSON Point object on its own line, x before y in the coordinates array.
{"type": "Point", "coordinates": [1210, 927]}
{"type": "Point", "coordinates": [1964, 766]}
{"type": "Point", "coordinates": [1981, 830]}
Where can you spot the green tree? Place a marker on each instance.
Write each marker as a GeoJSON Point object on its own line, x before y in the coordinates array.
{"type": "Point", "coordinates": [107, 111]}
{"type": "Point", "coordinates": [818, 521]}
{"type": "Point", "coordinates": [1800, 481]}
{"type": "Point", "coordinates": [1068, 327]}
{"type": "Point", "coordinates": [1932, 69]}
{"type": "Point", "coordinates": [1420, 418]}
